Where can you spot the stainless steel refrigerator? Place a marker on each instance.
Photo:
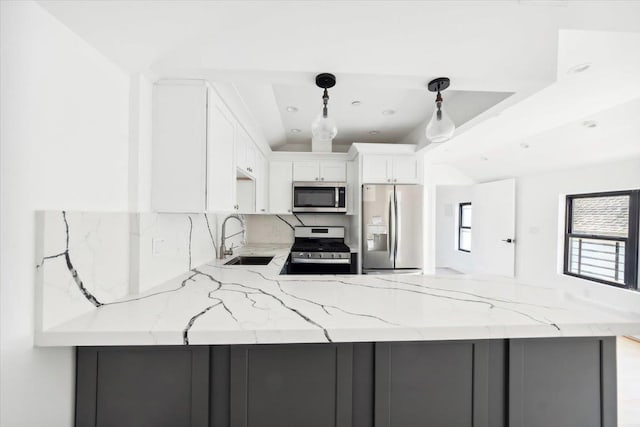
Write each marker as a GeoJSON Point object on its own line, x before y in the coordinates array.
{"type": "Point", "coordinates": [391, 228]}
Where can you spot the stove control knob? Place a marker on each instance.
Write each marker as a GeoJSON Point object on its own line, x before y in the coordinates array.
{"type": "Point", "coordinates": [308, 255]}
{"type": "Point", "coordinates": [333, 255]}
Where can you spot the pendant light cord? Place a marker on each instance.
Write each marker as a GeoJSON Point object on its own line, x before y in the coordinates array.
{"type": "Point", "coordinates": [325, 100]}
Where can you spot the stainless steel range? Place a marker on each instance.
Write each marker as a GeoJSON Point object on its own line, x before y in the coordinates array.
{"type": "Point", "coordinates": [320, 250]}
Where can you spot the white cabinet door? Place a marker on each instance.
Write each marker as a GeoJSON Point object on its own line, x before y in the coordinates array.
{"type": "Point", "coordinates": [241, 148]}
{"type": "Point", "coordinates": [306, 170]}
{"type": "Point", "coordinates": [280, 180]}
{"type": "Point", "coordinates": [251, 156]}
{"type": "Point", "coordinates": [405, 170]}
{"type": "Point", "coordinates": [221, 175]}
{"type": "Point", "coordinates": [179, 151]}
{"type": "Point", "coordinates": [260, 183]}
{"type": "Point", "coordinates": [376, 169]}
{"type": "Point", "coordinates": [333, 171]}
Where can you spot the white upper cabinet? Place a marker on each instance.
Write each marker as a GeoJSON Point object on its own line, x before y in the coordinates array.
{"type": "Point", "coordinates": [306, 170]}
{"type": "Point", "coordinates": [198, 145]}
{"type": "Point", "coordinates": [320, 170]}
{"type": "Point", "coordinates": [405, 169]}
{"type": "Point", "coordinates": [390, 169]}
{"type": "Point", "coordinates": [179, 152]}
{"type": "Point", "coordinates": [376, 169]}
{"type": "Point", "coordinates": [221, 174]}
{"type": "Point", "coordinates": [333, 171]}
{"type": "Point", "coordinates": [280, 186]}
{"type": "Point", "coordinates": [261, 174]}
{"type": "Point", "coordinates": [246, 151]}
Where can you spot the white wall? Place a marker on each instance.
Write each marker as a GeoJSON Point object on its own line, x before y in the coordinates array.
{"type": "Point", "coordinates": [448, 199]}
{"type": "Point", "coordinates": [539, 226]}
{"type": "Point", "coordinates": [64, 135]}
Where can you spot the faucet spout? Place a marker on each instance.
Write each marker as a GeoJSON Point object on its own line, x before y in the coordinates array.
{"type": "Point", "coordinates": [223, 250]}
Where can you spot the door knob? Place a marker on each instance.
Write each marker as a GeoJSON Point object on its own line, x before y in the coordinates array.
{"type": "Point", "coordinates": [509, 240]}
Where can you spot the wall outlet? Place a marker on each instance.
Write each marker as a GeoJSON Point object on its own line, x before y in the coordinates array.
{"type": "Point", "coordinates": [157, 246]}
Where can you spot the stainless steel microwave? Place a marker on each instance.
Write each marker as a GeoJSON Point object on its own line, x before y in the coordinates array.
{"type": "Point", "coordinates": [319, 197]}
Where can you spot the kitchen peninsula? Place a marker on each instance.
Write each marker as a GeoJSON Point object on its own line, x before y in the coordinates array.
{"type": "Point", "coordinates": [352, 350]}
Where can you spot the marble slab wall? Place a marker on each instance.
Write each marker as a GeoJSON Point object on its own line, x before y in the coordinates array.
{"type": "Point", "coordinates": [85, 259]}
{"type": "Point", "coordinates": [271, 229]}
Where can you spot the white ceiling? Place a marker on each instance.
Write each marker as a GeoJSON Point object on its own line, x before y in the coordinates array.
{"type": "Point", "coordinates": [355, 123]}
{"type": "Point", "coordinates": [271, 50]}
{"type": "Point", "coordinates": [550, 121]}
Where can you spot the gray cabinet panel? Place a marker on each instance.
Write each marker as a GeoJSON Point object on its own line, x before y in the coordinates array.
{"type": "Point", "coordinates": [291, 385]}
{"type": "Point", "coordinates": [568, 382]}
{"type": "Point", "coordinates": [134, 386]}
{"type": "Point", "coordinates": [363, 384]}
{"type": "Point", "coordinates": [437, 384]}
{"type": "Point", "coordinates": [220, 380]}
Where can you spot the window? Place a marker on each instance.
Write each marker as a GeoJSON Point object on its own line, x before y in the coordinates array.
{"type": "Point", "coordinates": [464, 227]}
{"type": "Point", "coordinates": [601, 237]}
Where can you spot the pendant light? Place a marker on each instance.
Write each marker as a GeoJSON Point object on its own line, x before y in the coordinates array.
{"type": "Point", "coordinates": [324, 127]}
{"type": "Point", "coordinates": [440, 127]}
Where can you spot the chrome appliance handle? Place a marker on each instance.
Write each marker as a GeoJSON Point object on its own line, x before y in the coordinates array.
{"type": "Point", "coordinates": [337, 198]}
{"type": "Point", "coordinates": [396, 228]}
{"type": "Point", "coordinates": [392, 227]}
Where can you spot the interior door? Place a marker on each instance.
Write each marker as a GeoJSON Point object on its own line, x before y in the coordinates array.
{"type": "Point", "coordinates": [493, 228]}
{"type": "Point", "coordinates": [377, 214]}
{"type": "Point", "coordinates": [408, 234]}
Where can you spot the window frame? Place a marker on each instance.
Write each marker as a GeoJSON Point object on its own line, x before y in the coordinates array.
{"type": "Point", "coordinates": [461, 227]}
{"type": "Point", "coordinates": [631, 241]}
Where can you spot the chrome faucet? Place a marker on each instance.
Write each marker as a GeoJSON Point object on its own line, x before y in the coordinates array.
{"type": "Point", "coordinates": [223, 250]}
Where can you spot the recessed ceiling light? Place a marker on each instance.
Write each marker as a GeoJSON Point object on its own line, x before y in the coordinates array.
{"type": "Point", "coordinates": [484, 158]}
{"type": "Point", "coordinates": [579, 68]}
{"type": "Point", "coordinates": [295, 130]}
{"type": "Point", "coordinates": [292, 109]}
{"type": "Point", "coordinates": [374, 132]}
{"type": "Point", "coordinates": [590, 124]}
{"type": "Point", "coordinates": [356, 103]}
{"type": "Point", "coordinates": [388, 112]}
{"type": "Point", "coordinates": [524, 145]}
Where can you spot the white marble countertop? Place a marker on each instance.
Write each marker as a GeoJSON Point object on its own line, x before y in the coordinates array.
{"type": "Point", "coordinates": [218, 304]}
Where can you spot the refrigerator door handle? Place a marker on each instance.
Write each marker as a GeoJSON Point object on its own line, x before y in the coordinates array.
{"type": "Point", "coordinates": [396, 227]}
{"type": "Point", "coordinates": [391, 234]}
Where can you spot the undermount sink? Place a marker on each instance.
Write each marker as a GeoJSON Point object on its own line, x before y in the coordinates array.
{"type": "Point", "coordinates": [249, 260]}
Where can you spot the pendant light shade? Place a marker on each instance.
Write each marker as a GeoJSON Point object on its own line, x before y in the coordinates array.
{"type": "Point", "coordinates": [440, 128]}
{"type": "Point", "coordinates": [324, 127]}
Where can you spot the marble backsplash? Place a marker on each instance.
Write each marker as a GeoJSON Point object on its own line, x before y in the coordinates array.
{"type": "Point", "coordinates": [86, 259]}
{"type": "Point", "coordinates": [277, 228]}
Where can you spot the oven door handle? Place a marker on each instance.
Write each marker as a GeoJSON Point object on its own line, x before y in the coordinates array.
{"type": "Point", "coordinates": [320, 261]}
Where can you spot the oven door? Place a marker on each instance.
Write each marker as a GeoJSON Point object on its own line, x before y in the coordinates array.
{"type": "Point", "coordinates": [319, 197]}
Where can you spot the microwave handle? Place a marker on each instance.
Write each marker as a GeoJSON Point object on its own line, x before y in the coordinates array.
{"type": "Point", "coordinates": [337, 197]}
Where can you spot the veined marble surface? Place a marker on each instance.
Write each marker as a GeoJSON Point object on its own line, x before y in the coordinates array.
{"type": "Point", "coordinates": [218, 304]}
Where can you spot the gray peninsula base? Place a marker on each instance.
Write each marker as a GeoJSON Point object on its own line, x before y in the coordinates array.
{"type": "Point", "coordinates": [536, 382]}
